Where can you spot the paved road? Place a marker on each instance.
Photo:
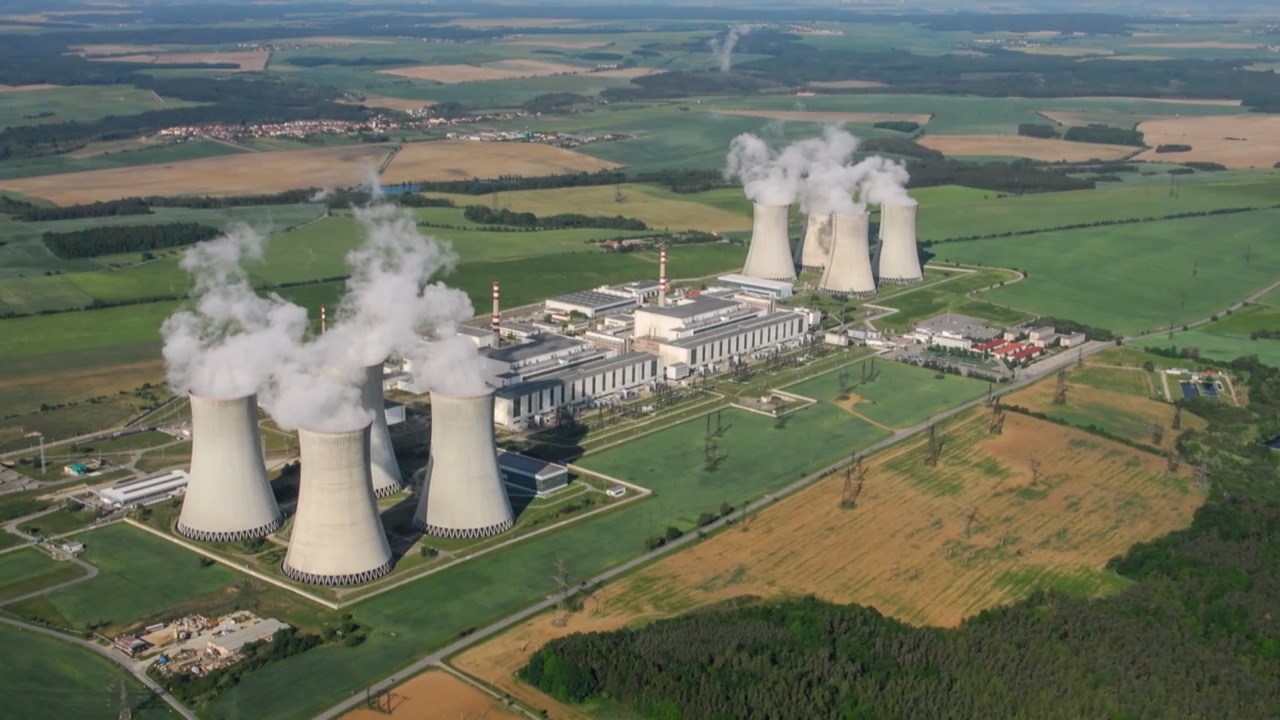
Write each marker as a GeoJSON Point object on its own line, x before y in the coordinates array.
{"type": "Point", "coordinates": [134, 668]}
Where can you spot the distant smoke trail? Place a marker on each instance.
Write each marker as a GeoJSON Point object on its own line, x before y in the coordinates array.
{"type": "Point", "coordinates": [723, 49]}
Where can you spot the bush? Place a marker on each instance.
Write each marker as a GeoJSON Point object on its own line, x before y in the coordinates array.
{"type": "Point", "coordinates": [1037, 130]}
{"type": "Point", "coordinates": [902, 126]}
{"type": "Point", "coordinates": [673, 533]}
{"type": "Point", "coordinates": [1173, 148]}
{"type": "Point", "coordinates": [1104, 135]}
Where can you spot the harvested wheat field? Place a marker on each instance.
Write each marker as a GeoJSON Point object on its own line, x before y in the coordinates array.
{"type": "Point", "coordinates": [438, 695]}
{"type": "Point", "coordinates": [1026, 147]}
{"type": "Point", "coordinates": [462, 159]}
{"type": "Point", "coordinates": [847, 84]}
{"type": "Point", "coordinates": [831, 117]}
{"type": "Point", "coordinates": [904, 548]}
{"type": "Point", "coordinates": [242, 174]}
{"type": "Point", "coordinates": [501, 70]}
{"type": "Point", "coordinates": [247, 60]}
{"type": "Point", "coordinates": [1238, 141]}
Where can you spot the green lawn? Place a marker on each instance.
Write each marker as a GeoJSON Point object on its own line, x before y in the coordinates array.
{"type": "Point", "coordinates": [1132, 278]}
{"type": "Point", "coordinates": [27, 570]}
{"type": "Point", "coordinates": [141, 576]}
{"type": "Point", "coordinates": [899, 396]}
{"type": "Point", "coordinates": [411, 620]}
{"type": "Point", "coordinates": [1245, 320]}
{"type": "Point", "coordinates": [42, 678]}
{"type": "Point", "coordinates": [58, 522]}
{"type": "Point", "coordinates": [925, 302]}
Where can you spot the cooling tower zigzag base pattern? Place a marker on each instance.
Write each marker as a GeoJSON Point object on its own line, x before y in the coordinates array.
{"type": "Point", "coordinates": [466, 533]}
{"type": "Point", "coordinates": [205, 536]}
{"type": "Point", "coordinates": [335, 580]}
{"type": "Point", "coordinates": [900, 281]}
{"type": "Point", "coordinates": [388, 490]}
{"type": "Point", "coordinates": [849, 294]}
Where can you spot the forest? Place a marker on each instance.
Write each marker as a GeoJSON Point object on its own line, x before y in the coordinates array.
{"type": "Point", "coordinates": [485, 215]}
{"type": "Point", "coordinates": [113, 239]}
{"type": "Point", "coordinates": [1193, 636]}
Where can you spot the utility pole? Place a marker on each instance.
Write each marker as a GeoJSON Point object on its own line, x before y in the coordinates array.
{"type": "Point", "coordinates": [562, 602]}
{"type": "Point", "coordinates": [1060, 397]}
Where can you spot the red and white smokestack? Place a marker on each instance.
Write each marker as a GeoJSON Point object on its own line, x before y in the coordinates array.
{"type": "Point", "coordinates": [322, 323]}
{"type": "Point", "coordinates": [662, 278]}
{"type": "Point", "coordinates": [496, 322]}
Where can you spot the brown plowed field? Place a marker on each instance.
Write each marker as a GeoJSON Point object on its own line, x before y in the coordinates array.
{"type": "Point", "coordinates": [1027, 147]}
{"type": "Point", "coordinates": [904, 548]}
{"type": "Point", "coordinates": [437, 695]}
{"type": "Point", "coordinates": [462, 159]}
{"type": "Point", "coordinates": [243, 174]}
{"type": "Point", "coordinates": [1241, 141]}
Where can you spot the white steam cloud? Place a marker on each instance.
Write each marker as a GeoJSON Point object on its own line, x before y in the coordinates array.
{"type": "Point", "coordinates": [817, 172]}
{"type": "Point", "coordinates": [449, 364]}
{"type": "Point", "coordinates": [229, 341]}
{"type": "Point", "coordinates": [723, 48]}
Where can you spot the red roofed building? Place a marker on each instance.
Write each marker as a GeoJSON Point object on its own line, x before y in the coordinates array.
{"type": "Point", "coordinates": [1025, 353]}
{"type": "Point", "coordinates": [989, 345]}
{"type": "Point", "coordinates": [1011, 348]}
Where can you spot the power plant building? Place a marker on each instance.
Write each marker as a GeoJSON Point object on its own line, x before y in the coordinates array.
{"type": "Point", "coordinates": [337, 536]}
{"type": "Point", "coordinates": [228, 497]}
{"type": "Point", "coordinates": [708, 330]}
{"type": "Point", "coordinates": [536, 402]}
{"type": "Point", "coordinates": [531, 475]}
{"type": "Point", "coordinates": [772, 289]}
{"type": "Point", "coordinates": [769, 256]}
{"type": "Point", "coordinates": [848, 272]}
{"type": "Point", "coordinates": [463, 495]}
{"type": "Point", "coordinates": [592, 303]}
{"type": "Point", "coordinates": [899, 262]}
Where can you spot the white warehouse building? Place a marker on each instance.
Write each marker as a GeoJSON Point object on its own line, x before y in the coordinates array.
{"type": "Point", "coordinates": [593, 303]}
{"type": "Point", "coordinates": [536, 402]}
{"type": "Point", "coordinates": [735, 340]}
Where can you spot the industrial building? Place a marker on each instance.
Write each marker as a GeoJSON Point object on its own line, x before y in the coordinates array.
{"type": "Point", "coordinates": [1072, 339]}
{"type": "Point", "coordinates": [769, 256]}
{"type": "Point", "coordinates": [706, 351]}
{"type": "Point", "coordinates": [531, 475]}
{"type": "Point", "coordinates": [229, 643]}
{"type": "Point", "coordinates": [337, 536]}
{"type": "Point", "coordinates": [848, 270]}
{"type": "Point", "coordinates": [538, 355]}
{"type": "Point", "coordinates": [537, 401]}
{"type": "Point", "coordinates": [592, 303]}
{"type": "Point", "coordinates": [228, 497]}
{"type": "Point", "coordinates": [463, 495]}
{"type": "Point", "coordinates": [384, 470]}
{"type": "Point", "coordinates": [772, 289]}
{"type": "Point", "coordinates": [899, 262]}
{"type": "Point", "coordinates": [145, 490]}
{"type": "Point", "coordinates": [815, 249]}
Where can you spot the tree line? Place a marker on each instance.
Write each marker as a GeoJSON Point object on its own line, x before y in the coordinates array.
{"type": "Point", "coordinates": [108, 208]}
{"type": "Point", "coordinates": [113, 239]}
{"type": "Point", "coordinates": [484, 215]}
{"type": "Point", "coordinates": [1192, 636]}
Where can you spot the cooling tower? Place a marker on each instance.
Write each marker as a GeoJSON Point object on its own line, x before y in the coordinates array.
{"type": "Point", "coordinates": [337, 536]}
{"type": "Point", "coordinates": [463, 495]}
{"type": "Point", "coordinates": [382, 456]}
{"type": "Point", "coordinates": [816, 248]}
{"type": "Point", "coordinates": [769, 257]}
{"type": "Point", "coordinates": [899, 263]}
{"type": "Point", "coordinates": [849, 269]}
{"type": "Point", "coordinates": [228, 497]}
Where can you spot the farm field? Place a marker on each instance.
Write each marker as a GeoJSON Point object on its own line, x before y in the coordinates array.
{"type": "Point", "coordinates": [463, 160]}
{"type": "Point", "coordinates": [500, 70]}
{"type": "Point", "coordinates": [48, 679]}
{"type": "Point", "coordinates": [425, 614]}
{"type": "Point", "coordinates": [28, 570]}
{"type": "Point", "coordinates": [439, 695]}
{"type": "Point", "coordinates": [93, 159]}
{"type": "Point", "coordinates": [141, 576]}
{"type": "Point", "coordinates": [1221, 346]}
{"type": "Point", "coordinates": [657, 207]}
{"type": "Point", "coordinates": [911, 558]}
{"type": "Point", "coordinates": [79, 103]}
{"type": "Point", "coordinates": [245, 60]}
{"type": "Point", "coordinates": [1131, 278]}
{"type": "Point", "coordinates": [925, 302]}
{"type": "Point", "coordinates": [899, 396]}
{"type": "Point", "coordinates": [242, 174]}
{"type": "Point", "coordinates": [1025, 147]}
{"type": "Point", "coordinates": [862, 118]}
{"type": "Point", "coordinates": [1238, 141]}
{"type": "Point", "coordinates": [1123, 401]}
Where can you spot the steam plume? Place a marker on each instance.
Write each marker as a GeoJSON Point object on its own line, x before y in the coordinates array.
{"type": "Point", "coordinates": [723, 49]}
{"type": "Point", "coordinates": [449, 364]}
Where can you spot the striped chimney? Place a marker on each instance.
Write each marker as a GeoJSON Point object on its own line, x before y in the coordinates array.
{"type": "Point", "coordinates": [662, 278]}
{"type": "Point", "coordinates": [496, 322]}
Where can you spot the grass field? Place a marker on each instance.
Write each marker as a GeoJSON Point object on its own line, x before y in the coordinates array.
{"type": "Point", "coordinates": [1228, 337]}
{"type": "Point", "coordinates": [80, 103]}
{"type": "Point", "coordinates": [140, 155]}
{"type": "Point", "coordinates": [46, 679]}
{"type": "Point", "coordinates": [27, 570]}
{"type": "Point", "coordinates": [903, 549]}
{"type": "Point", "coordinates": [141, 576]}
{"type": "Point", "coordinates": [58, 522]}
{"type": "Point", "coordinates": [899, 396]}
{"type": "Point", "coordinates": [1132, 278]}
{"type": "Point", "coordinates": [925, 302]}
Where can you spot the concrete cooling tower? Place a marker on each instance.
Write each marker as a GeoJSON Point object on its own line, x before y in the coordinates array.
{"type": "Point", "coordinates": [337, 536]}
{"type": "Point", "coordinates": [769, 257]}
{"type": "Point", "coordinates": [382, 456]}
{"type": "Point", "coordinates": [228, 497]}
{"type": "Point", "coordinates": [899, 263]}
{"type": "Point", "coordinates": [816, 248]}
{"type": "Point", "coordinates": [463, 495]}
{"type": "Point", "coordinates": [849, 269]}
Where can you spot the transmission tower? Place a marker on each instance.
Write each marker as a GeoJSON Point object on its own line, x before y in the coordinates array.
{"type": "Point", "coordinates": [970, 515]}
{"type": "Point", "coordinates": [996, 427]}
{"type": "Point", "coordinates": [855, 474]}
{"type": "Point", "coordinates": [618, 195]}
{"type": "Point", "coordinates": [843, 380]}
{"type": "Point", "coordinates": [1177, 417]}
{"type": "Point", "coordinates": [1157, 433]}
{"type": "Point", "coordinates": [1035, 471]}
{"type": "Point", "coordinates": [562, 600]}
{"type": "Point", "coordinates": [935, 447]}
{"type": "Point", "coordinates": [1175, 461]}
{"type": "Point", "coordinates": [1060, 396]}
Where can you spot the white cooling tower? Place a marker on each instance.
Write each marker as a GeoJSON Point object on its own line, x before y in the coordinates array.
{"type": "Point", "coordinates": [899, 263]}
{"type": "Point", "coordinates": [769, 257]}
{"type": "Point", "coordinates": [849, 269]}
{"type": "Point", "coordinates": [382, 456]}
{"type": "Point", "coordinates": [337, 536]}
{"type": "Point", "coordinates": [816, 248]}
{"type": "Point", "coordinates": [462, 494]}
{"type": "Point", "coordinates": [228, 497]}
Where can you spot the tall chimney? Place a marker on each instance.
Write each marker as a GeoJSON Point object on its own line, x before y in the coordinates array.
{"type": "Point", "coordinates": [321, 318]}
{"type": "Point", "coordinates": [662, 278]}
{"type": "Point", "coordinates": [495, 324]}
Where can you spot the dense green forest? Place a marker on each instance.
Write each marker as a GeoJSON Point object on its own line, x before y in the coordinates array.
{"type": "Point", "coordinates": [105, 208]}
{"type": "Point", "coordinates": [485, 215]}
{"type": "Point", "coordinates": [112, 239]}
{"type": "Point", "coordinates": [1105, 135]}
{"type": "Point", "coordinates": [1195, 636]}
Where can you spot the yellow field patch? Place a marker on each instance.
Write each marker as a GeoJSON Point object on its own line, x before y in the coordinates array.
{"type": "Point", "coordinates": [243, 174]}
{"type": "Point", "coordinates": [438, 695]}
{"type": "Point", "coordinates": [501, 70]}
{"type": "Point", "coordinates": [1027, 147]}
{"type": "Point", "coordinates": [462, 159]}
{"type": "Point", "coordinates": [247, 60]}
{"type": "Point", "coordinates": [1239, 141]}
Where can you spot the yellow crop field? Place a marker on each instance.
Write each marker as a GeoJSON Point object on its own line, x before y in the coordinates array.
{"type": "Point", "coordinates": [462, 160]}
